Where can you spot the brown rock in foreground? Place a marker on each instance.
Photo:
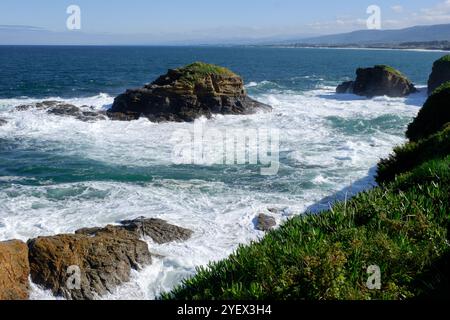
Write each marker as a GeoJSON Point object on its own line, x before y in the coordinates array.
{"type": "Point", "coordinates": [104, 256]}
{"type": "Point", "coordinates": [14, 270]}
{"type": "Point", "coordinates": [104, 261]}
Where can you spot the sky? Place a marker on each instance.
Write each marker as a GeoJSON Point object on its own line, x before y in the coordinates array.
{"type": "Point", "coordinates": [159, 21]}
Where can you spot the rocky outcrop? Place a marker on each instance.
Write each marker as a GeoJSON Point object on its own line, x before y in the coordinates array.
{"type": "Point", "coordinates": [84, 113]}
{"type": "Point", "coordinates": [345, 87]}
{"type": "Point", "coordinates": [265, 222]}
{"type": "Point", "coordinates": [103, 257]}
{"type": "Point", "coordinates": [378, 81]}
{"type": "Point", "coordinates": [434, 115]}
{"type": "Point", "coordinates": [187, 93]}
{"type": "Point", "coordinates": [158, 230]}
{"type": "Point", "coordinates": [14, 270]}
{"type": "Point", "coordinates": [102, 262]}
{"type": "Point", "coordinates": [440, 73]}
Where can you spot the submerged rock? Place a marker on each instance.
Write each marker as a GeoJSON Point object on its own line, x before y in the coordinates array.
{"type": "Point", "coordinates": [14, 270]}
{"type": "Point", "coordinates": [59, 108]}
{"type": "Point", "coordinates": [440, 73]}
{"type": "Point", "coordinates": [345, 87]}
{"type": "Point", "coordinates": [378, 81]}
{"type": "Point", "coordinates": [187, 93]}
{"type": "Point", "coordinates": [104, 256]}
{"type": "Point", "coordinates": [158, 230]}
{"type": "Point", "coordinates": [265, 222]}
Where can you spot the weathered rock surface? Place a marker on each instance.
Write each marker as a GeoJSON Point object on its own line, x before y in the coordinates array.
{"type": "Point", "coordinates": [378, 81]}
{"type": "Point", "coordinates": [59, 108]}
{"type": "Point", "coordinates": [14, 270]}
{"type": "Point", "coordinates": [345, 87]}
{"type": "Point", "coordinates": [104, 256]}
{"type": "Point", "coordinates": [440, 73]}
{"type": "Point", "coordinates": [158, 230]}
{"type": "Point", "coordinates": [265, 222]}
{"type": "Point", "coordinates": [104, 261]}
{"type": "Point", "coordinates": [187, 93]}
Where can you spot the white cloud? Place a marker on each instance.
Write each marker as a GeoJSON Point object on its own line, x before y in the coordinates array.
{"type": "Point", "coordinates": [397, 8]}
{"type": "Point", "coordinates": [437, 14]}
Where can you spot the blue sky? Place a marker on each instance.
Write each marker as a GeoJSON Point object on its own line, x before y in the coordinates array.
{"type": "Point", "coordinates": [207, 19]}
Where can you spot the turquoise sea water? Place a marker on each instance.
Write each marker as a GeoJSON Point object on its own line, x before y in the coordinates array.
{"type": "Point", "coordinates": [59, 174]}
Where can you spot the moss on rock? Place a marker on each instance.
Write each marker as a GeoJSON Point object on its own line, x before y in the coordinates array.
{"type": "Point", "coordinates": [440, 73]}
{"type": "Point", "coordinates": [433, 116]}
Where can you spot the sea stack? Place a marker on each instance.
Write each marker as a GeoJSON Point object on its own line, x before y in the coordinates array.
{"type": "Point", "coordinates": [440, 73]}
{"type": "Point", "coordinates": [380, 80]}
{"type": "Point", "coordinates": [185, 94]}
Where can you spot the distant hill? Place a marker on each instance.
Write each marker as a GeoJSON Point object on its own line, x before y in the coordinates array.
{"type": "Point", "coordinates": [366, 37]}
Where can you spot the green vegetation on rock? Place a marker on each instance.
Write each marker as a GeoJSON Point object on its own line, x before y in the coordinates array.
{"type": "Point", "coordinates": [326, 256]}
{"type": "Point", "coordinates": [391, 70]}
{"type": "Point", "coordinates": [196, 71]}
{"type": "Point", "coordinates": [412, 154]}
{"type": "Point", "coordinates": [434, 115]}
{"type": "Point", "coordinates": [402, 227]}
{"type": "Point", "coordinates": [444, 59]}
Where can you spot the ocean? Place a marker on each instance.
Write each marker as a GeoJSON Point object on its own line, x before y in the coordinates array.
{"type": "Point", "coordinates": [59, 174]}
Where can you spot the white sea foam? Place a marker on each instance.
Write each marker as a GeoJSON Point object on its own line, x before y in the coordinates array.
{"type": "Point", "coordinates": [328, 142]}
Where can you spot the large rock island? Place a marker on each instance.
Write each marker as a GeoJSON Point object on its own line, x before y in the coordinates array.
{"type": "Point", "coordinates": [380, 80]}
{"type": "Point", "coordinates": [185, 94]}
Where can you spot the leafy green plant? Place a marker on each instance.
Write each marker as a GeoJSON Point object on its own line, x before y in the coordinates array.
{"type": "Point", "coordinates": [326, 256]}
{"type": "Point", "coordinates": [412, 154]}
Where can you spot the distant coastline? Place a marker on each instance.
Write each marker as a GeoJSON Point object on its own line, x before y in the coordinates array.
{"type": "Point", "coordinates": [442, 46]}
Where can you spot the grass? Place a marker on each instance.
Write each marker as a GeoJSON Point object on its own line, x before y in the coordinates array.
{"type": "Point", "coordinates": [326, 256]}
{"type": "Point", "coordinates": [444, 59]}
{"type": "Point", "coordinates": [390, 69]}
{"type": "Point", "coordinates": [402, 227]}
{"type": "Point", "coordinates": [197, 71]}
{"type": "Point", "coordinates": [412, 154]}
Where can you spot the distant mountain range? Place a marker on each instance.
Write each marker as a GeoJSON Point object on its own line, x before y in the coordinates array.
{"type": "Point", "coordinates": [368, 37]}
{"type": "Point", "coordinates": [421, 37]}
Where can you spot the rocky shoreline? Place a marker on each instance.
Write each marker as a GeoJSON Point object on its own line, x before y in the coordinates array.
{"type": "Point", "coordinates": [92, 262]}
{"type": "Point", "coordinates": [86, 264]}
